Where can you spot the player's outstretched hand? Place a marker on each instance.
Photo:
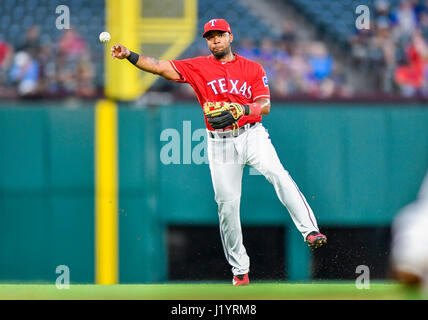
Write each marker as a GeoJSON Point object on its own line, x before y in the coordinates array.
{"type": "Point", "coordinates": [120, 52]}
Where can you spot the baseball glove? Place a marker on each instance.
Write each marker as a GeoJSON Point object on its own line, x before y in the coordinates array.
{"type": "Point", "coordinates": [224, 114]}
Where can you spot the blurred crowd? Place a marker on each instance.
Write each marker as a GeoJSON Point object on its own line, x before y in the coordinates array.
{"type": "Point", "coordinates": [395, 48]}
{"type": "Point", "coordinates": [35, 68]}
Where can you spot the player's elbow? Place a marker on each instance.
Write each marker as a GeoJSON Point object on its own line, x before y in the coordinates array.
{"type": "Point", "coordinates": [265, 105]}
{"type": "Point", "coordinates": [167, 71]}
{"type": "Point", "coordinates": [265, 109]}
{"type": "Point", "coordinates": [168, 75]}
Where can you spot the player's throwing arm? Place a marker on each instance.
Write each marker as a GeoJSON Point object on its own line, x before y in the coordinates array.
{"type": "Point", "coordinates": [148, 64]}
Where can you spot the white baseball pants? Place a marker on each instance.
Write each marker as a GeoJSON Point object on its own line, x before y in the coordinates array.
{"type": "Point", "coordinates": [227, 158]}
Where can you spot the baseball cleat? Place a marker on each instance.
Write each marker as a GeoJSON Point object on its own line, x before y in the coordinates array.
{"type": "Point", "coordinates": [241, 280]}
{"type": "Point", "coordinates": [315, 239]}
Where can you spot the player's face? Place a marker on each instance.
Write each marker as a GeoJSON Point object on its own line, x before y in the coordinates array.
{"type": "Point", "coordinates": [219, 43]}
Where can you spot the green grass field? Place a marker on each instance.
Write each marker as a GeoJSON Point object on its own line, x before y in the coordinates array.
{"type": "Point", "coordinates": [210, 291]}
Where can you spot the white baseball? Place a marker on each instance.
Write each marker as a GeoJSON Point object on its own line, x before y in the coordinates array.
{"type": "Point", "coordinates": [105, 37]}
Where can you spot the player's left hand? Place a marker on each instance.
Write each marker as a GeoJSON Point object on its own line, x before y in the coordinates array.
{"type": "Point", "coordinates": [223, 114]}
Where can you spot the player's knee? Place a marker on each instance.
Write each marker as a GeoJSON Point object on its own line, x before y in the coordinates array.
{"type": "Point", "coordinates": [276, 175]}
{"type": "Point", "coordinates": [226, 193]}
{"type": "Point", "coordinates": [226, 207]}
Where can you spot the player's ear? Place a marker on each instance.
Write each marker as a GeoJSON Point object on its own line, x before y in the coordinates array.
{"type": "Point", "coordinates": [230, 37]}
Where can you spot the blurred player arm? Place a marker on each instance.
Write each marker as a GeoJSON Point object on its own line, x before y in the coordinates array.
{"type": "Point", "coordinates": [261, 93]}
{"type": "Point", "coordinates": [148, 64]}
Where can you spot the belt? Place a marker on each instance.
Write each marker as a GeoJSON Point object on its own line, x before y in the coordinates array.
{"type": "Point", "coordinates": [231, 133]}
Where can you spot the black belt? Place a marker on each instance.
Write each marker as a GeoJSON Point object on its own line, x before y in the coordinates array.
{"type": "Point", "coordinates": [231, 133]}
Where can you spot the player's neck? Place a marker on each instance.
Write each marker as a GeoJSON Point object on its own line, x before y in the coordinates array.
{"type": "Point", "coordinates": [226, 58]}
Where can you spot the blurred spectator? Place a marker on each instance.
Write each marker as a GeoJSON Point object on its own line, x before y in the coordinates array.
{"type": "Point", "coordinates": [25, 73]}
{"type": "Point", "coordinates": [411, 76]}
{"type": "Point", "coordinates": [420, 8]}
{"type": "Point", "coordinates": [6, 52]}
{"type": "Point", "coordinates": [48, 70]}
{"type": "Point", "coordinates": [360, 42]}
{"type": "Point", "coordinates": [384, 61]}
{"type": "Point", "coordinates": [405, 19]}
{"type": "Point", "coordinates": [247, 49]}
{"type": "Point", "coordinates": [341, 86]}
{"type": "Point", "coordinates": [266, 56]}
{"type": "Point", "coordinates": [288, 35]}
{"type": "Point", "coordinates": [71, 44]}
{"type": "Point", "coordinates": [280, 85]}
{"type": "Point", "coordinates": [423, 24]}
{"type": "Point", "coordinates": [85, 75]}
{"type": "Point", "coordinates": [299, 70]}
{"type": "Point", "coordinates": [320, 61]}
{"type": "Point", "coordinates": [31, 43]}
{"type": "Point", "coordinates": [74, 72]}
{"type": "Point", "coordinates": [282, 53]}
{"type": "Point", "coordinates": [382, 9]}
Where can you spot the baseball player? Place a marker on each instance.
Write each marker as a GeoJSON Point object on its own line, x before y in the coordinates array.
{"type": "Point", "coordinates": [234, 95]}
{"type": "Point", "coordinates": [409, 255]}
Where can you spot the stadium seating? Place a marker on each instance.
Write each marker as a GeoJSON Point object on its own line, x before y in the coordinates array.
{"type": "Point", "coordinates": [335, 18]}
{"type": "Point", "coordinates": [242, 21]}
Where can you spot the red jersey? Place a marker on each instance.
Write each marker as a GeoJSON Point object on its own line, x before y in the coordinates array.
{"type": "Point", "coordinates": [241, 81]}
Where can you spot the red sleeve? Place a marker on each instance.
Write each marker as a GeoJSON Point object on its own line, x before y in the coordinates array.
{"type": "Point", "coordinates": [186, 69]}
{"type": "Point", "coordinates": [260, 84]}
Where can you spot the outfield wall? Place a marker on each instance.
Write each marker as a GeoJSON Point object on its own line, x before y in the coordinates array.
{"type": "Point", "coordinates": [356, 164]}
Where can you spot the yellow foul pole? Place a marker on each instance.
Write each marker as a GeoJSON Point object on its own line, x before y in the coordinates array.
{"type": "Point", "coordinates": [106, 202]}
